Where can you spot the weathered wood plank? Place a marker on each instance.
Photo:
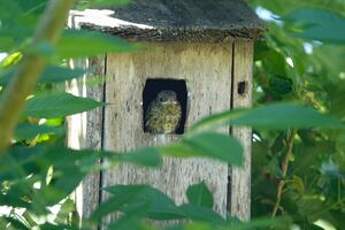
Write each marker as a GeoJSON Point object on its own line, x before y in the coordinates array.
{"type": "Point", "coordinates": [85, 130]}
{"type": "Point", "coordinates": [240, 191]}
{"type": "Point", "coordinates": [206, 69]}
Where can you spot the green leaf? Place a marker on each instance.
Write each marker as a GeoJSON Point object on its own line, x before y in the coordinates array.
{"type": "Point", "coordinates": [212, 145]}
{"type": "Point", "coordinates": [52, 74]}
{"type": "Point", "coordinates": [318, 24]}
{"type": "Point", "coordinates": [149, 202]}
{"type": "Point", "coordinates": [198, 213]}
{"type": "Point", "coordinates": [283, 223]}
{"type": "Point", "coordinates": [15, 194]}
{"type": "Point", "coordinates": [198, 194]}
{"type": "Point", "coordinates": [6, 43]}
{"type": "Point", "coordinates": [282, 116]}
{"type": "Point", "coordinates": [128, 198]}
{"type": "Point", "coordinates": [28, 131]}
{"type": "Point", "coordinates": [14, 222]}
{"type": "Point", "coordinates": [101, 3]}
{"type": "Point", "coordinates": [58, 105]}
{"type": "Point", "coordinates": [65, 181]}
{"type": "Point", "coordinates": [65, 210]}
{"type": "Point", "coordinates": [279, 86]}
{"type": "Point", "coordinates": [216, 120]}
{"type": "Point", "coordinates": [9, 61]}
{"type": "Point", "coordinates": [149, 157]}
{"type": "Point", "coordinates": [3, 223]}
{"type": "Point", "coordinates": [49, 226]}
{"type": "Point", "coordinates": [131, 222]}
{"type": "Point", "coordinates": [85, 44]}
{"type": "Point", "coordinates": [274, 116]}
{"type": "Point", "coordinates": [19, 162]}
{"type": "Point", "coordinates": [20, 27]}
{"type": "Point", "coordinates": [233, 224]}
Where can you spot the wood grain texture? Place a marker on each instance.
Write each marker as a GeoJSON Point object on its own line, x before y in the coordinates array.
{"type": "Point", "coordinates": [240, 191]}
{"type": "Point", "coordinates": [85, 130]}
{"type": "Point", "coordinates": [207, 71]}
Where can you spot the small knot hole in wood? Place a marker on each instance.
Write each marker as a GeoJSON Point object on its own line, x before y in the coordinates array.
{"type": "Point", "coordinates": [242, 88]}
{"type": "Point", "coordinates": [151, 90]}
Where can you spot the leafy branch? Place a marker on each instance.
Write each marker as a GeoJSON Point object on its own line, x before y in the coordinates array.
{"type": "Point", "coordinates": [284, 168]}
{"type": "Point", "coordinates": [27, 74]}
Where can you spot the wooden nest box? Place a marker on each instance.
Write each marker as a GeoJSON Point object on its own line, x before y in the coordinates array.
{"type": "Point", "coordinates": [200, 49]}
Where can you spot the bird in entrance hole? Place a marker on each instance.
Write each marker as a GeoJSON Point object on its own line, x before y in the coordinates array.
{"type": "Point", "coordinates": [163, 114]}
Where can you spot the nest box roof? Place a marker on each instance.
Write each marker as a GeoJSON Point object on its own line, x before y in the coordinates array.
{"type": "Point", "coordinates": [175, 20]}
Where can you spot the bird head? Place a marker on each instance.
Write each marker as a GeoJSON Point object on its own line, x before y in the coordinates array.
{"type": "Point", "coordinates": [167, 97]}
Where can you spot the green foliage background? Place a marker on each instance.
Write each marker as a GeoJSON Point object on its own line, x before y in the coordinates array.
{"type": "Point", "coordinates": [302, 59]}
{"type": "Point", "coordinates": [298, 154]}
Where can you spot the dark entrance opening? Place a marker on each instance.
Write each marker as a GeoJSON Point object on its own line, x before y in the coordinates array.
{"type": "Point", "coordinates": [242, 88]}
{"type": "Point", "coordinates": [155, 86]}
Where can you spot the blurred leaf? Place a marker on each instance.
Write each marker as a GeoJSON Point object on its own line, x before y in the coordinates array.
{"type": "Point", "coordinates": [146, 157]}
{"type": "Point", "coordinates": [18, 20]}
{"type": "Point", "coordinates": [273, 61]}
{"type": "Point", "coordinates": [27, 131]}
{"type": "Point", "coordinates": [280, 86]}
{"type": "Point", "coordinates": [274, 116]}
{"type": "Point", "coordinates": [6, 43]}
{"type": "Point", "coordinates": [131, 222]}
{"type": "Point", "coordinates": [310, 206]}
{"type": "Point", "coordinates": [297, 184]}
{"type": "Point", "coordinates": [17, 195]}
{"type": "Point", "coordinates": [58, 105]}
{"type": "Point", "coordinates": [38, 159]}
{"type": "Point", "coordinates": [29, 166]}
{"type": "Point", "coordinates": [152, 203]}
{"type": "Point", "coordinates": [52, 74]}
{"type": "Point", "coordinates": [218, 146]}
{"type": "Point", "coordinates": [10, 60]}
{"type": "Point", "coordinates": [328, 57]}
{"type": "Point", "coordinates": [283, 7]}
{"type": "Point", "coordinates": [76, 44]}
{"type": "Point", "coordinates": [155, 204]}
{"type": "Point", "coordinates": [198, 213]}
{"type": "Point", "coordinates": [66, 209]}
{"type": "Point", "coordinates": [49, 226]}
{"type": "Point", "coordinates": [282, 223]}
{"type": "Point", "coordinates": [101, 3]}
{"type": "Point", "coordinates": [3, 223]}
{"type": "Point", "coordinates": [19, 162]}
{"type": "Point", "coordinates": [212, 145]}
{"type": "Point", "coordinates": [331, 169]}
{"type": "Point", "coordinates": [318, 24]}
{"type": "Point", "coordinates": [13, 223]}
{"type": "Point", "coordinates": [198, 194]}
{"type": "Point", "coordinates": [44, 49]}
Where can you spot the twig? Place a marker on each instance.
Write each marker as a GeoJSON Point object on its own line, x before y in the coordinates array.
{"type": "Point", "coordinates": [23, 82]}
{"type": "Point", "coordinates": [284, 168]}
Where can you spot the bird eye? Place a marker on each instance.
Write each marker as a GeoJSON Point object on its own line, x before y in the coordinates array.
{"type": "Point", "coordinates": [161, 99]}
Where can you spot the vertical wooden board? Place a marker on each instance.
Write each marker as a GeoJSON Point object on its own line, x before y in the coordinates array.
{"type": "Point", "coordinates": [85, 130]}
{"type": "Point", "coordinates": [206, 69]}
{"type": "Point", "coordinates": [242, 97]}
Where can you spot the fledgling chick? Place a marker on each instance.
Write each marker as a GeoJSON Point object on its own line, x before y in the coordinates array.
{"type": "Point", "coordinates": [164, 113]}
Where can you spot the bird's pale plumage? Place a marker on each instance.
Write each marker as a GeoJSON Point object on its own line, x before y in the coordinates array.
{"type": "Point", "coordinates": [164, 113]}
